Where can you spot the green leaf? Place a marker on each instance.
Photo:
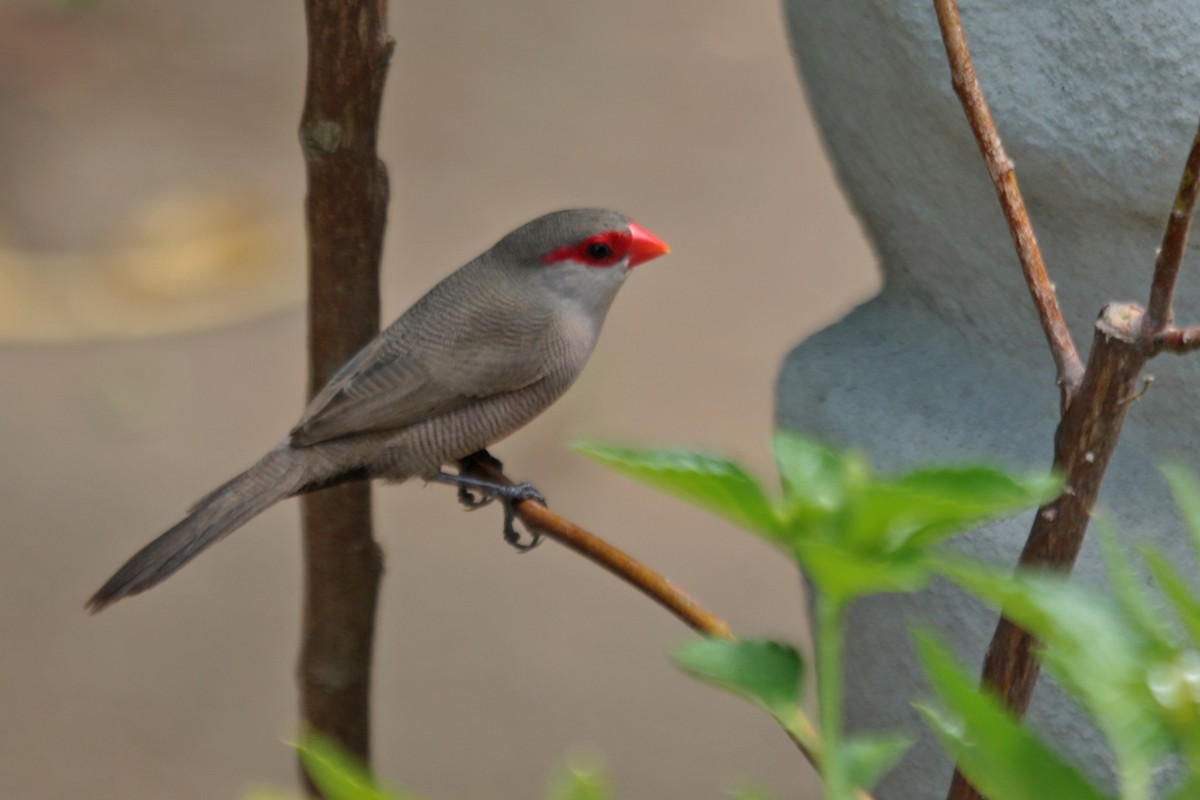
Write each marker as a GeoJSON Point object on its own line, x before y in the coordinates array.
{"type": "Point", "coordinates": [815, 477]}
{"type": "Point", "coordinates": [1189, 789]}
{"type": "Point", "coordinates": [927, 506]}
{"type": "Point", "coordinates": [710, 482]}
{"type": "Point", "coordinates": [844, 575]}
{"type": "Point", "coordinates": [1186, 491]}
{"type": "Point", "coordinates": [1173, 683]}
{"type": "Point", "coordinates": [1094, 651]}
{"type": "Point", "coordinates": [750, 793]}
{"type": "Point", "coordinates": [768, 673]}
{"type": "Point", "coordinates": [1176, 590]}
{"type": "Point", "coordinates": [1174, 686]}
{"type": "Point", "coordinates": [1129, 593]}
{"type": "Point", "coordinates": [336, 774]}
{"type": "Point", "coordinates": [268, 794]}
{"type": "Point", "coordinates": [868, 757]}
{"type": "Point", "coordinates": [998, 756]}
{"type": "Point", "coordinates": [581, 780]}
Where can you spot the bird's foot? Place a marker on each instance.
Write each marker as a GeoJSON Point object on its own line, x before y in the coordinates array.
{"type": "Point", "coordinates": [474, 493]}
{"type": "Point", "coordinates": [523, 491]}
{"type": "Point", "coordinates": [473, 499]}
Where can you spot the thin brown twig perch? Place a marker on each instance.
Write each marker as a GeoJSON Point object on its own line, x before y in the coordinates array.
{"type": "Point", "coordinates": [346, 206]}
{"type": "Point", "coordinates": [1094, 405]}
{"type": "Point", "coordinates": [349, 51]}
{"type": "Point", "coordinates": [539, 519]}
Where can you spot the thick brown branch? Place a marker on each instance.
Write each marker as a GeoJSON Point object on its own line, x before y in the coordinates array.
{"type": "Point", "coordinates": [1084, 442]}
{"type": "Point", "coordinates": [1004, 178]}
{"type": "Point", "coordinates": [1087, 437]}
{"type": "Point", "coordinates": [1095, 401]}
{"type": "Point", "coordinates": [348, 52]}
{"type": "Point", "coordinates": [1159, 313]}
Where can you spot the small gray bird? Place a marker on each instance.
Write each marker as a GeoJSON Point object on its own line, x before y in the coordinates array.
{"type": "Point", "coordinates": [483, 353]}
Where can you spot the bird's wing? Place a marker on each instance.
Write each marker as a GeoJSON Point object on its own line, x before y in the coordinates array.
{"type": "Point", "coordinates": [428, 363]}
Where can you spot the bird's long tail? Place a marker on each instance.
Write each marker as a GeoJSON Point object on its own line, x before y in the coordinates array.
{"type": "Point", "coordinates": [279, 474]}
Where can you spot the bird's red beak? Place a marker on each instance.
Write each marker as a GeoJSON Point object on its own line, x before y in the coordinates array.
{"type": "Point", "coordinates": [644, 245]}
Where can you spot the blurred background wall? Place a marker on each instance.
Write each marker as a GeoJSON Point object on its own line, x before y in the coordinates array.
{"type": "Point", "coordinates": [151, 345]}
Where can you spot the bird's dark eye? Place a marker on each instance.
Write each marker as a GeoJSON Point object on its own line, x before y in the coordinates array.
{"type": "Point", "coordinates": [599, 251]}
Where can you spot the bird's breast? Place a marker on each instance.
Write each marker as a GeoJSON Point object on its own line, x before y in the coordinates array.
{"type": "Point", "coordinates": [576, 337]}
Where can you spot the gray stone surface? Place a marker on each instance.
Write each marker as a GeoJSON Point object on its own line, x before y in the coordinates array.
{"type": "Point", "coordinates": [1096, 103]}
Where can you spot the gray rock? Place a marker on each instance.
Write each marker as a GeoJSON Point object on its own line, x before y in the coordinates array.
{"type": "Point", "coordinates": [1096, 103]}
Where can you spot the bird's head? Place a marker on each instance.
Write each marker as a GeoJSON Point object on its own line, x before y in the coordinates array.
{"type": "Point", "coordinates": [578, 255]}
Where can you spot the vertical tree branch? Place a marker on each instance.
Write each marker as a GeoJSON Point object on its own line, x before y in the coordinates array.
{"type": "Point", "coordinates": [1159, 315]}
{"type": "Point", "coordinates": [345, 210]}
{"type": "Point", "coordinates": [1095, 400]}
{"type": "Point", "coordinates": [1086, 438]}
{"type": "Point", "coordinates": [1084, 443]}
{"type": "Point", "coordinates": [1004, 178]}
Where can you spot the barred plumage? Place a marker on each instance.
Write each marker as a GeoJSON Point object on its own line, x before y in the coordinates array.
{"type": "Point", "coordinates": [479, 356]}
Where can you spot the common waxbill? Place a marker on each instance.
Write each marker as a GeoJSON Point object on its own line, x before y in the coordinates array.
{"type": "Point", "coordinates": [479, 356]}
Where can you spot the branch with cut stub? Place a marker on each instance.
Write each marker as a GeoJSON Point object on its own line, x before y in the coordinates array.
{"type": "Point", "coordinates": [1094, 400]}
{"type": "Point", "coordinates": [1086, 439]}
{"type": "Point", "coordinates": [1125, 339]}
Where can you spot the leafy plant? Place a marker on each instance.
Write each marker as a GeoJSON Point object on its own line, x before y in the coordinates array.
{"type": "Point", "coordinates": [1136, 675]}
{"type": "Point", "coordinates": [1133, 671]}
{"type": "Point", "coordinates": [853, 533]}
{"type": "Point", "coordinates": [338, 776]}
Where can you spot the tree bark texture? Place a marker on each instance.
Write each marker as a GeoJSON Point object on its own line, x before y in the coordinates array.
{"type": "Point", "coordinates": [1084, 443]}
{"type": "Point", "coordinates": [345, 210]}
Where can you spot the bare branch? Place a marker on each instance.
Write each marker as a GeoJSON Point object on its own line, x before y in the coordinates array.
{"type": "Point", "coordinates": [539, 519]}
{"type": "Point", "coordinates": [1094, 402]}
{"type": "Point", "coordinates": [1178, 340]}
{"type": "Point", "coordinates": [1004, 178]}
{"type": "Point", "coordinates": [1159, 311]}
{"type": "Point", "coordinates": [348, 52]}
{"type": "Point", "coordinates": [1084, 443]}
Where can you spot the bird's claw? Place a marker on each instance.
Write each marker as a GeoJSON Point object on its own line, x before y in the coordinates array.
{"type": "Point", "coordinates": [513, 495]}
{"type": "Point", "coordinates": [474, 493]}
{"type": "Point", "coordinates": [513, 536]}
{"type": "Point", "coordinates": [473, 501]}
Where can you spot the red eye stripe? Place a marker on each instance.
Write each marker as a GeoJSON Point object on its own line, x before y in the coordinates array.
{"type": "Point", "coordinates": [601, 250]}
